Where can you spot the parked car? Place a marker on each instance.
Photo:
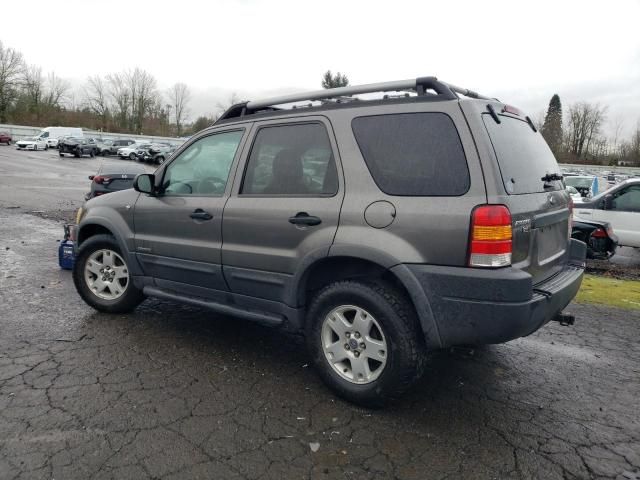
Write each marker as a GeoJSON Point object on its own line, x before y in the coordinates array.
{"type": "Point", "coordinates": [619, 206]}
{"type": "Point", "coordinates": [574, 194]}
{"type": "Point", "coordinates": [131, 151]}
{"type": "Point", "coordinates": [34, 143]}
{"type": "Point", "coordinates": [599, 237]}
{"type": "Point", "coordinates": [587, 185]}
{"type": "Point", "coordinates": [78, 146]}
{"type": "Point", "coordinates": [112, 178]}
{"type": "Point", "coordinates": [381, 229]}
{"type": "Point", "coordinates": [156, 153]}
{"type": "Point", "coordinates": [5, 138]}
{"type": "Point", "coordinates": [110, 147]}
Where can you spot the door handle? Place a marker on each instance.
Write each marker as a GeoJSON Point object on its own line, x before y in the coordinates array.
{"type": "Point", "coordinates": [199, 214]}
{"type": "Point", "coordinates": [303, 218]}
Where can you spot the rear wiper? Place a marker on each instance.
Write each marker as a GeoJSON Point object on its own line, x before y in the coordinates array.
{"type": "Point", "coordinates": [550, 177]}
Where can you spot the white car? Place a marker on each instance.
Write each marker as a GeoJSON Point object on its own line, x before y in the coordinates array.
{"type": "Point", "coordinates": [35, 143]}
{"type": "Point", "coordinates": [130, 151]}
{"type": "Point", "coordinates": [52, 142]}
{"type": "Point", "coordinates": [620, 206]}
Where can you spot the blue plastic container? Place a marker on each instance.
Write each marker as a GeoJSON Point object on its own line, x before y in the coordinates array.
{"type": "Point", "coordinates": [66, 254]}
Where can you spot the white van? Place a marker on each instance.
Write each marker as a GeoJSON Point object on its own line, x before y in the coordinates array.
{"type": "Point", "coordinates": [52, 134]}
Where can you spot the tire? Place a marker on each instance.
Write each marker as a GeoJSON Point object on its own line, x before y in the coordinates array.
{"type": "Point", "coordinates": [35, 148]}
{"type": "Point", "coordinates": [92, 153]}
{"type": "Point", "coordinates": [46, 147]}
{"type": "Point", "coordinates": [60, 154]}
{"type": "Point", "coordinates": [133, 156]}
{"type": "Point", "coordinates": [124, 300]}
{"type": "Point", "coordinates": [160, 160]}
{"type": "Point", "coordinates": [395, 339]}
{"type": "Point", "coordinates": [77, 153]}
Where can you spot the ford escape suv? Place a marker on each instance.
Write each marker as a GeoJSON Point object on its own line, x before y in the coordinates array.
{"type": "Point", "coordinates": [381, 228]}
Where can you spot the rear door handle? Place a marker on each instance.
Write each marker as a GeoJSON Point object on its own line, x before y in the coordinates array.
{"type": "Point", "coordinates": [199, 214]}
{"type": "Point", "coordinates": [303, 218]}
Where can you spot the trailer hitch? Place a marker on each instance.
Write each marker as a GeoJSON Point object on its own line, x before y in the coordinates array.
{"type": "Point", "coordinates": [564, 319]}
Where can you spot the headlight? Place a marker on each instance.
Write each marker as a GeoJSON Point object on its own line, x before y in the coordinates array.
{"type": "Point", "coordinates": [79, 215]}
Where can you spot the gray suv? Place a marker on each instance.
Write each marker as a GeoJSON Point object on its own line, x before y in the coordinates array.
{"type": "Point", "coordinates": [381, 229]}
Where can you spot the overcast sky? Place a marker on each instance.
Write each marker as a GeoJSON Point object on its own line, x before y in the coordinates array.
{"type": "Point", "coordinates": [520, 52]}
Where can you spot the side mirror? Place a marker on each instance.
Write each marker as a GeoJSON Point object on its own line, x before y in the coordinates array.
{"type": "Point", "coordinates": [144, 183]}
{"type": "Point", "coordinates": [608, 202]}
{"type": "Point", "coordinates": [91, 177]}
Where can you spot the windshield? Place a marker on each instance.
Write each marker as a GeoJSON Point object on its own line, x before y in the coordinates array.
{"type": "Point", "coordinates": [523, 155]}
{"type": "Point", "coordinates": [582, 182]}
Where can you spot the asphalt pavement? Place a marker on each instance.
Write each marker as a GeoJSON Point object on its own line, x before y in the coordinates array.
{"type": "Point", "coordinates": [172, 392]}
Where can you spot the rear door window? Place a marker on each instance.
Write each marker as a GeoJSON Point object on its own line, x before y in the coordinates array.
{"type": "Point", "coordinates": [413, 154]}
{"type": "Point", "coordinates": [523, 155]}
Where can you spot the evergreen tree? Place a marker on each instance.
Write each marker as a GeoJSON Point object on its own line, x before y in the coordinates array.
{"type": "Point", "coordinates": [333, 81]}
{"type": "Point", "coordinates": [552, 128]}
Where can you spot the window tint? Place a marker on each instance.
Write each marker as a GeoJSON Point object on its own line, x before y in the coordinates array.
{"type": "Point", "coordinates": [523, 155]}
{"type": "Point", "coordinates": [628, 199]}
{"type": "Point", "coordinates": [203, 168]}
{"type": "Point", "coordinates": [291, 160]}
{"type": "Point", "coordinates": [416, 154]}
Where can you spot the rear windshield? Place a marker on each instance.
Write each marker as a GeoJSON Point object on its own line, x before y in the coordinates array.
{"type": "Point", "coordinates": [523, 155]}
{"type": "Point", "coordinates": [413, 154]}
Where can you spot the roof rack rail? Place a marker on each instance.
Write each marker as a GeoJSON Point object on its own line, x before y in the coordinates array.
{"type": "Point", "coordinates": [420, 85]}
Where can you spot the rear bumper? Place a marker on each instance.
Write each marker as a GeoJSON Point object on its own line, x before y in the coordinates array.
{"type": "Point", "coordinates": [477, 306]}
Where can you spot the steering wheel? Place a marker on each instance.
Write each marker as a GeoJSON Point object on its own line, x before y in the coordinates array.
{"type": "Point", "coordinates": [211, 185]}
{"type": "Point", "coordinates": [180, 187]}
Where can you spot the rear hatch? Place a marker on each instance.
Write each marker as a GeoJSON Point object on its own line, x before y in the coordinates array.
{"type": "Point", "coordinates": [533, 192]}
{"type": "Point", "coordinates": [118, 181]}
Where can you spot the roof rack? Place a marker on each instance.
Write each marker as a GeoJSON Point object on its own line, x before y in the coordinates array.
{"type": "Point", "coordinates": [421, 86]}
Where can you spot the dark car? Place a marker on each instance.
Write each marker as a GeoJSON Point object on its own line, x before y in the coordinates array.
{"type": "Point", "coordinates": [599, 236]}
{"type": "Point", "coordinates": [110, 147]}
{"type": "Point", "coordinates": [156, 153]}
{"type": "Point", "coordinates": [78, 146]}
{"type": "Point", "coordinates": [380, 229]}
{"type": "Point", "coordinates": [112, 178]}
{"type": "Point", "coordinates": [5, 138]}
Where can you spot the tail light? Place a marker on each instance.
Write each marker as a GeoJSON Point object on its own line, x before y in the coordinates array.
{"type": "Point", "coordinates": [102, 180]}
{"type": "Point", "coordinates": [490, 236]}
{"type": "Point", "coordinates": [599, 233]}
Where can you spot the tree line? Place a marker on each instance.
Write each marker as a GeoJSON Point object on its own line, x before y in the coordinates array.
{"type": "Point", "coordinates": [123, 102]}
{"type": "Point", "coordinates": [578, 136]}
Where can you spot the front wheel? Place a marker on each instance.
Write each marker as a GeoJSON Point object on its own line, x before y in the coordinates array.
{"type": "Point", "coordinates": [132, 156]}
{"type": "Point", "coordinates": [101, 276]}
{"type": "Point", "coordinates": [365, 341]}
{"type": "Point", "coordinates": [46, 147]}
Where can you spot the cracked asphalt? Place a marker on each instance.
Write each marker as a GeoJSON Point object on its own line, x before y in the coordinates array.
{"type": "Point", "coordinates": [177, 392]}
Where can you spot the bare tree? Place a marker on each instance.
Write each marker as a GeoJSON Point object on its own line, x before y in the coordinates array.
{"type": "Point", "coordinates": [55, 91]}
{"type": "Point", "coordinates": [97, 96]}
{"type": "Point", "coordinates": [143, 96]}
{"type": "Point", "coordinates": [585, 121]}
{"type": "Point", "coordinates": [11, 68]}
{"type": "Point", "coordinates": [121, 98]}
{"type": "Point", "coordinates": [179, 97]}
{"type": "Point", "coordinates": [33, 88]}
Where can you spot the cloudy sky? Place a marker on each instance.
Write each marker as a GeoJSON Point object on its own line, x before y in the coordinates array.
{"type": "Point", "coordinates": [520, 52]}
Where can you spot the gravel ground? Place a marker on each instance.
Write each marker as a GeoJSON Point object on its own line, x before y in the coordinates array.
{"type": "Point", "coordinates": [170, 391]}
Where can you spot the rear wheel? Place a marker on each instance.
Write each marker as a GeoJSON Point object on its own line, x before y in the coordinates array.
{"type": "Point", "coordinates": [365, 341]}
{"type": "Point", "coordinates": [101, 276]}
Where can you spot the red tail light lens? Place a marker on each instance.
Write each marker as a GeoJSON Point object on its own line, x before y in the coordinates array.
{"type": "Point", "coordinates": [491, 236]}
{"type": "Point", "coordinates": [599, 233]}
{"type": "Point", "coordinates": [101, 179]}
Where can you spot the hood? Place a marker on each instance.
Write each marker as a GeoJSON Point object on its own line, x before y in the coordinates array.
{"type": "Point", "coordinates": [116, 199]}
{"type": "Point", "coordinates": [26, 142]}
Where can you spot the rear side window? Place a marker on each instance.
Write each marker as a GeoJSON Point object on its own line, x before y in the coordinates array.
{"type": "Point", "coordinates": [291, 160]}
{"type": "Point", "coordinates": [413, 154]}
{"type": "Point", "coordinates": [523, 155]}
